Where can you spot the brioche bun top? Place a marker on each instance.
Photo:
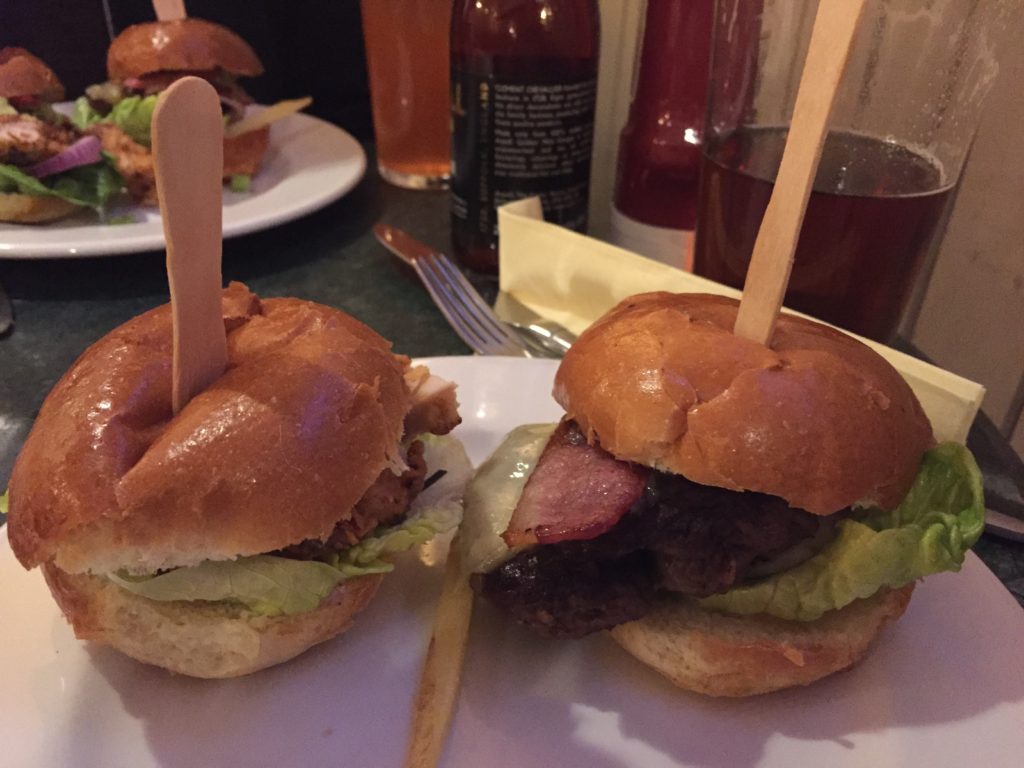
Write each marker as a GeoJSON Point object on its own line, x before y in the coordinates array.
{"type": "Point", "coordinates": [816, 417]}
{"type": "Point", "coordinates": [22, 74]}
{"type": "Point", "coordinates": [277, 450]}
{"type": "Point", "coordinates": [187, 44]}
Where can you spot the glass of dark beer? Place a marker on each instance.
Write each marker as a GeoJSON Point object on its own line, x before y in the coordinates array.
{"type": "Point", "coordinates": [905, 116]}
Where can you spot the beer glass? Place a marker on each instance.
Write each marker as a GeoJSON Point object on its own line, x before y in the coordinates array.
{"type": "Point", "coordinates": [407, 61]}
{"type": "Point", "coordinates": [905, 115]}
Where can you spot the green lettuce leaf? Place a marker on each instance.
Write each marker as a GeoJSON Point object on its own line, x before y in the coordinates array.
{"type": "Point", "coordinates": [83, 115]}
{"type": "Point", "coordinates": [4, 502]}
{"type": "Point", "coordinates": [240, 182]}
{"type": "Point", "coordinates": [133, 115]}
{"type": "Point", "coordinates": [88, 185]}
{"type": "Point", "coordinates": [929, 532]}
{"type": "Point", "coordinates": [6, 108]}
{"type": "Point", "coordinates": [272, 586]}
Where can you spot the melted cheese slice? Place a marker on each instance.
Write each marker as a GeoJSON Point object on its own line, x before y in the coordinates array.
{"type": "Point", "coordinates": [492, 495]}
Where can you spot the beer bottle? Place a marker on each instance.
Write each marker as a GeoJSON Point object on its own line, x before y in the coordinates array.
{"type": "Point", "coordinates": [523, 86]}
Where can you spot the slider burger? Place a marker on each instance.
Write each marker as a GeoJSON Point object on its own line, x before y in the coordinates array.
{"type": "Point", "coordinates": [257, 521]}
{"type": "Point", "coordinates": [742, 518]}
{"type": "Point", "coordinates": [48, 169]}
{"type": "Point", "coordinates": [143, 61]}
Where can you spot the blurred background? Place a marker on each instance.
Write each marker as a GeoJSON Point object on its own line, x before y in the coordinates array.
{"type": "Point", "coordinates": [970, 313]}
{"type": "Point", "coordinates": [307, 47]}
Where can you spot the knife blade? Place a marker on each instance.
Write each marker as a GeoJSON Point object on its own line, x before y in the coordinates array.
{"type": "Point", "coordinates": [402, 244]}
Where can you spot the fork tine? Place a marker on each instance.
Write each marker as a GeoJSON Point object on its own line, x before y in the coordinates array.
{"type": "Point", "coordinates": [475, 314]}
{"type": "Point", "coordinates": [472, 338]}
{"type": "Point", "coordinates": [462, 318]}
{"type": "Point", "coordinates": [469, 293]}
{"type": "Point", "coordinates": [458, 302]}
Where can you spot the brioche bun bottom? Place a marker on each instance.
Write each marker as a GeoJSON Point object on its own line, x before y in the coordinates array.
{"type": "Point", "coordinates": [33, 209]}
{"type": "Point", "coordinates": [724, 655]}
{"type": "Point", "coordinates": [207, 640]}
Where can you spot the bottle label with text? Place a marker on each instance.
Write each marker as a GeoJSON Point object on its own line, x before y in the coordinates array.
{"type": "Point", "coordinates": [518, 139]}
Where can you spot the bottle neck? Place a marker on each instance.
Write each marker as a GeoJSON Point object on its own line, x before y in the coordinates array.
{"type": "Point", "coordinates": [674, 57]}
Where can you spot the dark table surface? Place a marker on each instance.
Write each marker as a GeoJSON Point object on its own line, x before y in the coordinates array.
{"type": "Point", "coordinates": [62, 306]}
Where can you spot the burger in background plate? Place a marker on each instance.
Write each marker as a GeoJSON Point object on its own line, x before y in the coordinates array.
{"type": "Point", "coordinates": [48, 169]}
{"type": "Point", "coordinates": [258, 520]}
{"type": "Point", "coordinates": [742, 518]}
{"type": "Point", "coordinates": [143, 61]}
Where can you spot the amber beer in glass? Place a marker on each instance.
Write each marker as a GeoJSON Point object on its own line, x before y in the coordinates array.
{"type": "Point", "coordinates": [407, 61]}
{"type": "Point", "coordinates": [906, 113]}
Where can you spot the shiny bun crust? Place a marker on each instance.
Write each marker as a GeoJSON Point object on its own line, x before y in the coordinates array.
{"type": "Point", "coordinates": [721, 655]}
{"type": "Point", "coordinates": [277, 450]}
{"type": "Point", "coordinates": [33, 209]}
{"type": "Point", "coordinates": [195, 638]}
{"type": "Point", "coordinates": [243, 154]}
{"type": "Point", "coordinates": [22, 74]}
{"type": "Point", "coordinates": [816, 418]}
{"type": "Point", "coordinates": [188, 44]}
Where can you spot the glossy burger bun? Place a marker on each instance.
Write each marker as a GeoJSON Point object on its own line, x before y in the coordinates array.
{"type": "Point", "coordinates": [200, 639]}
{"type": "Point", "coordinates": [723, 655]}
{"type": "Point", "coordinates": [109, 479]}
{"type": "Point", "coordinates": [816, 417]}
{"type": "Point", "coordinates": [22, 74]}
{"type": "Point", "coordinates": [33, 209]}
{"type": "Point", "coordinates": [186, 45]}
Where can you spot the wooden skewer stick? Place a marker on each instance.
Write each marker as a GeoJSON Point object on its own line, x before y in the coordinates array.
{"type": "Point", "coordinates": [772, 259]}
{"type": "Point", "coordinates": [169, 10]}
{"type": "Point", "coordinates": [188, 154]}
{"type": "Point", "coordinates": [442, 669]}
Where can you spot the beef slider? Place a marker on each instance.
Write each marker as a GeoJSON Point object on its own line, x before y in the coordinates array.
{"type": "Point", "coordinates": [678, 536]}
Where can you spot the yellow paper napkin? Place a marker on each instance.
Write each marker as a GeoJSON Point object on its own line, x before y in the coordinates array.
{"type": "Point", "coordinates": [574, 279]}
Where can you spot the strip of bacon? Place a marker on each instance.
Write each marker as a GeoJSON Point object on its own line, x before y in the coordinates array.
{"type": "Point", "coordinates": [576, 492]}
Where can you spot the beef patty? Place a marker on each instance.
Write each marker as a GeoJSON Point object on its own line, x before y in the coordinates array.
{"type": "Point", "coordinates": [680, 536]}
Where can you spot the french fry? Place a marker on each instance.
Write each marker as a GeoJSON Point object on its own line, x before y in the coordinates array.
{"type": "Point", "coordinates": [442, 668]}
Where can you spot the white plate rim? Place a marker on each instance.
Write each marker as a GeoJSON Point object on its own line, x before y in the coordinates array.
{"type": "Point", "coordinates": [28, 242]}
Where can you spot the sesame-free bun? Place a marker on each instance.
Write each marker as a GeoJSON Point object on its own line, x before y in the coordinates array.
{"type": "Point", "coordinates": [33, 209]}
{"type": "Point", "coordinates": [187, 44]}
{"type": "Point", "coordinates": [816, 417]}
{"type": "Point", "coordinates": [211, 640]}
{"type": "Point", "coordinates": [278, 449]}
{"type": "Point", "coordinates": [722, 655]}
{"type": "Point", "coordinates": [22, 74]}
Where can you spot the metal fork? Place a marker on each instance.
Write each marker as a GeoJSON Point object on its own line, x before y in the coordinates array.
{"type": "Point", "coordinates": [464, 308]}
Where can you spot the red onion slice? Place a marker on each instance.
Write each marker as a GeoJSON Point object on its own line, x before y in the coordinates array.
{"type": "Point", "coordinates": [85, 151]}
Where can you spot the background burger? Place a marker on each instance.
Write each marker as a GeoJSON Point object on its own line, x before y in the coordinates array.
{"type": "Point", "coordinates": [742, 518]}
{"type": "Point", "coordinates": [48, 169]}
{"type": "Point", "coordinates": [143, 61]}
{"type": "Point", "coordinates": [258, 520]}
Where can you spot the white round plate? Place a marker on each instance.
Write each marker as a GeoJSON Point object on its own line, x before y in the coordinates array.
{"type": "Point", "coordinates": [310, 163]}
{"type": "Point", "coordinates": [944, 686]}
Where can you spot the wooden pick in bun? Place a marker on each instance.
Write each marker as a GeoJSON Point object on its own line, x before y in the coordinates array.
{"type": "Point", "coordinates": [307, 444]}
{"type": "Point", "coordinates": [742, 517]}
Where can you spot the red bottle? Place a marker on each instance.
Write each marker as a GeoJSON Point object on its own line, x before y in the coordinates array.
{"type": "Point", "coordinates": [655, 202]}
{"type": "Point", "coordinates": [524, 83]}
